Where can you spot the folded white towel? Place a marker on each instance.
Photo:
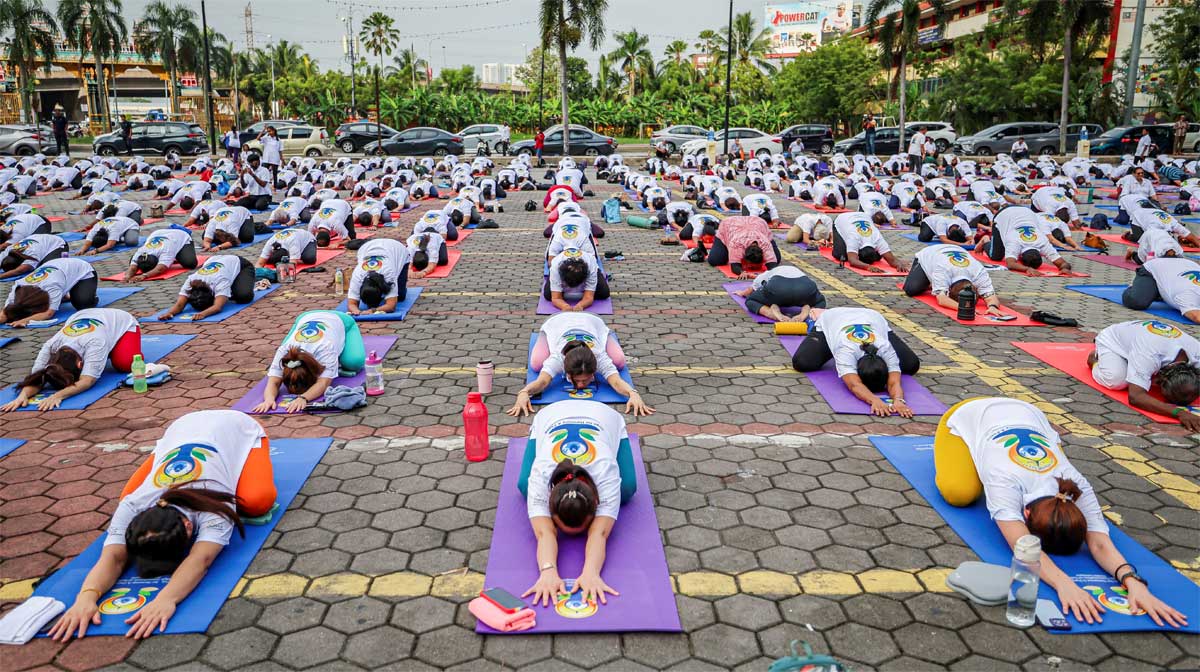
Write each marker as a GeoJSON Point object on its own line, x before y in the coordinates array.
{"type": "Point", "coordinates": [21, 624]}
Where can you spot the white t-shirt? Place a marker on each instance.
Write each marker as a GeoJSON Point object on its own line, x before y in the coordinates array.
{"type": "Point", "coordinates": [293, 240]}
{"type": "Point", "coordinates": [164, 244]}
{"type": "Point", "coordinates": [322, 335]}
{"type": "Point", "coordinates": [780, 272]}
{"type": "Point", "coordinates": [1051, 200]}
{"type": "Point", "coordinates": [858, 232]}
{"type": "Point", "coordinates": [1131, 185]}
{"type": "Point", "coordinates": [848, 329]}
{"type": "Point", "coordinates": [1150, 219]}
{"type": "Point", "coordinates": [570, 177]}
{"type": "Point", "coordinates": [1048, 224]}
{"type": "Point", "coordinates": [940, 225]}
{"type": "Point", "coordinates": [808, 223]}
{"type": "Point", "coordinates": [127, 209]}
{"type": "Point", "coordinates": [379, 255]}
{"type": "Point", "coordinates": [34, 247]}
{"type": "Point", "coordinates": [589, 283]}
{"type": "Point", "coordinates": [1178, 281]}
{"type": "Point", "coordinates": [1018, 456]}
{"type": "Point", "coordinates": [1143, 146]}
{"type": "Point", "coordinates": [871, 202]}
{"type": "Point", "coordinates": [93, 333]}
{"type": "Point", "coordinates": [208, 447]}
{"type": "Point", "coordinates": [115, 226]}
{"type": "Point", "coordinates": [290, 208]}
{"type": "Point", "coordinates": [1156, 243]}
{"type": "Point", "coordinates": [586, 432]}
{"type": "Point", "coordinates": [433, 248]}
{"type": "Point", "coordinates": [985, 192]}
{"type": "Point", "coordinates": [971, 210]}
{"type": "Point", "coordinates": [563, 328]}
{"type": "Point", "coordinates": [1019, 229]}
{"type": "Point", "coordinates": [946, 264]}
{"type": "Point", "coordinates": [757, 205]}
{"type": "Point", "coordinates": [228, 219]}
{"type": "Point", "coordinates": [197, 190]}
{"type": "Point", "coordinates": [434, 221]}
{"type": "Point", "coordinates": [218, 272]}
{"type": "Point", "coordinates": [1146, 346]}
{"type": "Point", "coordinates": [331, 216]}
{"type": "Point", "coordinates": [251, 185]}
{"type": "Point", "coordinates": [55, 277]}
{"type": "Point", "coordinates": [916, 145]}
{"type": "Point", "coordinates": [22, 225]}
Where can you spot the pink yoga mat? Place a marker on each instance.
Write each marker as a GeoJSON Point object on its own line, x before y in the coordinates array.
{"type": "Point", "coordinates": [841, 400]}
{"type": "Point", "coordinates": [1117, 260]}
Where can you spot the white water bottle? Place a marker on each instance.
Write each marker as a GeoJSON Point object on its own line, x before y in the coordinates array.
{"type": "Point", "coordinates": [1023, 586]}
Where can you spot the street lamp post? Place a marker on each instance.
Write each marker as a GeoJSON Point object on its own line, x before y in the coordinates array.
{"type": "Point", "coordinates": [271, 54]}
{"type": "Point", "coordinates": [728, 77]}
{"type": "Point", "coordinates": [541, 88]}
{"type": "Point", "coordinates": [350, 48]}
{"type": "Point", "coordinates": [208, 101]}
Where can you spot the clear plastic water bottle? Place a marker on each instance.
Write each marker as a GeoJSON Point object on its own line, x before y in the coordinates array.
{"type": "Point", "coordinates": [138, 369]}
{"type": "Point", "coordinates": [1023, 587]}
{"type": "Point", "coordinates": [1083, 133]}
{"type": "Point", "coordinates": [374, 370]}
{"type": "Point", "coordinates": [284, 269]}
{"type": "Point", "coordinates": [339, 282]}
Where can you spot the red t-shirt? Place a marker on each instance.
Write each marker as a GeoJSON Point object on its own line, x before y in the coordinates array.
{"type": "Point", "coordinates": [539, 140]}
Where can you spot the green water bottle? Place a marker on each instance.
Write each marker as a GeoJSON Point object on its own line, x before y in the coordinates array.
{"type": "Point", "coordinates": [138, 369]}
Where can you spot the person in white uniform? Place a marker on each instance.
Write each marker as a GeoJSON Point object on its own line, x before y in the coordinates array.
{"type": "Point", "coordinates": [574, 276]}
{"type": "Point", "coordinates": [37, 296]}
{"type": "Point", "coordinates": [26, 254]}
{"type": "Point", "coordinates": [1017, 240]}
{"type": "Point", "coordinates": [947, 270]}
{"type": "Point", "coordinates": [1174, 281]}
{"type": "Point", "coordinates": [162, 249]}
{"type": "Point", "coordinates": [380, 278]}
{"type": "Point", "coordinates": [321, 345]}
{"type": "Point", "coordinates": [298, 245]}
{"type": "Point", "coordinates": [108, 233]}
{"type": "Point", "coordinates": [779, 289]}
{"type": "Point", "coordinates": [858, 242]}
{"type": "Point", "coordinates": [1142, 354]}
{"type": "Point", "coordinates": [222, 278]}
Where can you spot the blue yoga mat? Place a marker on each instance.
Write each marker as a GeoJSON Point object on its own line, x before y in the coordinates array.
{"type": "Point", "coordinates": [1112, 293]}
{"type": "Point", "coordinates": [6, 341]}
{"type": "Point", "coordinates": [106, 295]}
{"type": "Point", "coordinates": [71, 236]}
{"type": "Point", "coordinates": [913, 458]}
{"type": "Point", "coordinates": [913, 237]}
{"type": "Point", "coordinates": [1105, 206]}
{"type": "Point", "coordinates": [229, 311]}
{"type": "Point", "coordinates": [154, 348]}
{"type": "Point", "coordinates": [558, 389]}
{"type": "Point", "coordinates": [400, 313]}
{"type": "Point", "coordinates": [9, 445]}
{"type": "Point", "coordinates": [292, 461]}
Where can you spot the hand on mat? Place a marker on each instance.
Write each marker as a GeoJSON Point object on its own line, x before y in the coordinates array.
{"type": "Point", "coordinates": [901, 408]}
{"type": "Point", "coordinates": [744, 292]}
{"type": "Point", "coordinates": [747, 275]}
{"type": "Point", "coordinates": [1140, 599]}
{"type": "Point", "coordinates": [881, 409]}
{"type": "Point", "coordinates": [152, 616]}
{"type": "Point", "coordinates": [417, 275]}
{"type": "Point", "coordinates": [51, 402]}
{"type": "Point", "coordinates": [264, 407]}
{"type": "Point", "coordinates": [75, 621]}
{"type": "Point", "coordinates": [593, 587]}
{"type": "Point", "coordinates": [636, 406]}
{"type": "Point", "coordinates": [15, 404]}
{"type": "Point", "coordinates": [875, 269]}
{"type": "Point", "coordinates": [166, 317]}
{"type": "Point", "coordinates": [1033, 273]}
{"type": "Point", "coordinates": [548, 587]}
{"type": "Point", "coordinates": [296, 405]}
{"type": "Point", "coordinates": [524, 407]}
{"type": "Point", "coordinates": [1080, 604]}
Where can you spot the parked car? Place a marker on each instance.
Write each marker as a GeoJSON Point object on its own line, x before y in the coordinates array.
{"type": "Point", "coordinates": [417, 142]}
{"type": "Point", "coordinates": [674, 137]}
{"type": "Point", "coordinates": [24, 140]}
{"type": "Point", "coordinates": [583, 141]}
{"type": "Point", "coordinates": [351, 136]}
{"type": "Point", "coordinates": [942, 133]}
{"type": "Point", "coordinates": [253, 130]}
{"type": "Point", "coordinates": [158, 137]}
{"type": "Point", "coordinates": [814, 137]}
{"type": "Point", "coordinates": [489, 134]}
{"type": "Point", "coordinates": [1124, 139]}
{"type": "Point", "coordinates": [887, 141]}
{"type": "Point", "coordinates": [754, 142]}
{"type": "Point", "coordinates": [1041, 137]}
{"type": "Point", "coordinates": [306, 140]}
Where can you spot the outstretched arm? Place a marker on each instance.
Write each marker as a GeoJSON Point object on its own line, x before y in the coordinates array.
{"type": "Point", "coordinates": [83, 613]}
{"type": "Point", "coordinates": [183, 581]}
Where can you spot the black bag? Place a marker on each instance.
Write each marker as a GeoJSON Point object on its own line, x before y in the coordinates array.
{"type": "Point", "coordinates": [1100, 222]}
{"type": "Point", "coordinates": [1182, 209]}
{"type": "Point", "coordinates": [530, 206]}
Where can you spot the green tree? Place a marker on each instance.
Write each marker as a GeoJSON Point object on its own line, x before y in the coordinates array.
{"type": "Point", "coordinates": [32, 29]}
{"type": "Point", "coordinates": [170, 32]}
{"type": "Point", "coordinates": [1176, 49]}
{"type": "Point", "coordinates": [675, 53]}
{"type": "Point", "coordinates": [1043, 21]}
{"type": "Point", "coordinates": [567, 24]}
{"type": "Point", "coordinates": [750, 44]}
{"type": "Point", "coordinates": [379, 35]}
{"type": "Point", "coordinates": [457, 80]}
{"type": "Point", "coordinates": [633, 56]}
{"type": "Point", "coordinates": [897, 36]}
{"type": "Point", "coordinates": [833, 83]}
{"type": "Point", "coordinates": [96, 27]}
{"type": "Point", "coordinates": [411, 68]}
{"type": "Point", "coordinates": [608, 81]}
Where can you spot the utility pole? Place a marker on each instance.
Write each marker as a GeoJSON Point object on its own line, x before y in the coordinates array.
{"type": "Point", "coordinates": [541, 89]}
{"type": "Point", "coordinates": [412, 50]}
{"type": "Point", "coordinates": [249, 28]}
{"type": "Point", "coordinates": [349, 49]}
{"type": "Point", "coordinates": [208, 101]}
{"type": "Point", "coordinates": [1135, 56]}
{"type": "Point", "coordinates": [728, 77]}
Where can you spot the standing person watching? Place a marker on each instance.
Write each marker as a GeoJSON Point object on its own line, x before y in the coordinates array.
{"type": "Point", "coordinates": [916, 150]}
{"type": "Point", "coordinates": [233, 145]}
{"type": "Point", "coordinates": [272, 150]}
{"type": "Point", "coordinates": [1181, 129]}
{"type": "Point", "coordinates": [539, 143]}
{"type": "Point", "coordinates": [127, 134]}
{"type": "Point", "coordinates": [59, 122]}
{"type": "Point", "coordinates": [869, 131]}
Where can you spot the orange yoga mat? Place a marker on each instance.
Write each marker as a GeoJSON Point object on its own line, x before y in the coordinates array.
{"type": "Point", "coordinates": [980, 320]}
{"type": "Point", "coordinates": [1048, 269]}
{"type": "Point", "coordinates": [323, 255]}
{"type": "Point", "coordinates": [462, 235]}
{"type": "Point", "coordinates": [444, 271]}
{"type": "Point", "coordinates": [1116, 238]}
{"type": "Point", "coordinates": [1071, 359]}
{"type": "Point", "coordinates": [889, 272]}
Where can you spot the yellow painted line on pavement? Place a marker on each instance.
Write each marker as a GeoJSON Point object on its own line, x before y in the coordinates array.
{"type": "Point", "coordinates": [1001, 379]}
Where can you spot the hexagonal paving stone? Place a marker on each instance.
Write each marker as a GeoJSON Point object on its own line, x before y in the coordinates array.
{"type": "Point", "coordinates": [309, 647]}
{"type": "Point", "coordinates": [860, 642]}
{"type": "Point", "coordinates": [291, 615]}
{"type": "Point", "coordinates": [749, 612]}
{"type": "Point", "coordinates": [422, 614]}
{"type": "Point", "coordinates": [375, 648]}
{"type": "Point", "coordinates": [448, 646]}
{"type": "Point", "coordinates": [357, 615]}
{"type": "Point", "coordinates": [725, 644]}
{"type": "Point", "coordinates": [238, 648]}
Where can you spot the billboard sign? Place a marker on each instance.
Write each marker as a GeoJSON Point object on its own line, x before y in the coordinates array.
{"type": "Point", "coordinates": [797, 27]}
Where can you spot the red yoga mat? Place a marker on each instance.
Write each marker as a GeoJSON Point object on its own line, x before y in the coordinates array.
{"type": "Point", "coordinates": [169, 273]}
{"type": "Point", "coordinates": [444, 271]}
{"type": "Point", "coordinates": [980, 319]}
{"type": "Point", "coordinates": [462, 235]}
{"type": "Point", "coordinates": [889, 272]}
{"type": "Point", "coordinates": [1110, 260]}
{"type": "Point", "coordinates": [176, 211]}
{"type": "Point", "coordinates": [55, 220]}
{"type": "Point", "coordinates": [1047, 269]}
{"type": "Point", "coordinates": [359, 233]}
{"type": "Point", "coordinates": [1071, 359]}
{"type": "Point", "coordinates": [822, 208]}
{"type": "Point", "coordinates": [1116, 238]}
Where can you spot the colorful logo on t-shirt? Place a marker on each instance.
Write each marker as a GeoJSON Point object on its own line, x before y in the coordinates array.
{"type": "Point", "coordinates": [573, 253]}
{"type": "Point", "coordinates": [1194, 276]}
{"type": "Point", "coordinates": [326, 212]}
{"type": "Point", "coordinates": [1027, 234]}
{"type": "Point", "coordinates": [958, 258]}
{"type": "Point", "coordinates": [570, 231]}
{"type": "Point", "coordinates": [183, 464]}
{"type": "Point", "coordinates": [431, 218]}
{"type": "Point", "coordinates": [285, 234]}
{"type": "Point", "coordinates": [863, 227]}
{"type": "Point", "coordinates": [1061, 198]}
{"type": "Point", "coordinates": [859, 333]}
{"type": "Point", "coordinates": [580, 335]}
{"type": "Point", "coordinates": [1027, 449]}
{"type": "Point", "coordinates": [22, 246]}
{"type": "Point", "coordinates": [571, 604]}
{"type": "Point", "coordinates": [373, 263]}
{"type": "Point", "coordinates": [574, 441]}
{"type": "Point", "coordinates": [223, 215]}
{"type": "Point", "coordinates": [80, 326]}
{"type": "Point", "coordinates": [211, 267]}
{"type": "Point", "coordinates": [585, 393]}
{"type": "Point", "coordinates": [120, 601]}
{"type": "Point", "coordinates": [156, 242]}
{"type": "Point", "coordinates": [1113, 598]}
{"type": "Point", "coordinates": [1161, 329]}
{"type": "Point", "coordinates": [1161, 216]}
{"type": "Point", "coordinates": [39, 275]}
{"type": "Point", "coordinates": [310, 332]}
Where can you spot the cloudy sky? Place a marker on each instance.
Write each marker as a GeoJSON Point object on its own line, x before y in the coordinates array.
{"type": "Point", "coordinates": [424, 23]}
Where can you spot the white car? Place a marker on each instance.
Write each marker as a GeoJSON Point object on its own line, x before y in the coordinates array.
{"type": "Point", "coordinates": [492, 134]}
{"type": "Point", "coordinates": [941, 132]}
{"type": "Point", "coordinates": [754, 142]}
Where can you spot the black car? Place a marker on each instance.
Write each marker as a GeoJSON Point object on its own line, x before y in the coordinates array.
{"type": "Point", "coordinates": [1124, 139]}
{"type": "Point", "coordinates": [158, 137]}
{"type": "Point", "coordinates": [353, 136]}
{"type": "Point", "coordinates": [814, 137]}
{"type": "Point", "coordinates": [418, 141]}
{"type": "Point", "coordinates": [887, 141]}
{"type": "Point", "coordinates": [252, 131]}
{"type": "Point", "coordinates": [583, 141]}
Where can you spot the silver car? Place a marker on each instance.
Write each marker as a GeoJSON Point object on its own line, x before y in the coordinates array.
{"type": "Point", "coordinates": [22, 140]}
{"type": "Point", "coordinates": [495, 137]}
{"type": "Point", "coordinates": [674, 137]}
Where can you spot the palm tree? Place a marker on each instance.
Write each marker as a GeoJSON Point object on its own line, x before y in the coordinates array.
{"type": "Point", "coordinates": [898, 36]}
{"type": "Point", "coordinates": [1042, 21]}
{"type": "Point", "coordinates": [633, 55]}
{"type": "Point", "coordinates": [750, 44]}
{"type": "Point", "coordinates": [98, 27]}
{"type": "Point", "coordinates": [379, 34]}
{"type": "Point", "coordinates": [32, 29]}
{"type": "Point", "coordinates": [676, 52]}
{"type": "Point", "coordinates": [607, 79]}
{"type": "Point", "coordinates": [410, 66]}
{"type": "Point", "coordinates": [566, 24]}
{"type": "Point", "coordinates": [171, 33]}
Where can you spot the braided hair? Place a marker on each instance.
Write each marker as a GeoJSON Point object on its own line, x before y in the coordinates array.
{"type": "Point", "coordinates": [1179, 382]}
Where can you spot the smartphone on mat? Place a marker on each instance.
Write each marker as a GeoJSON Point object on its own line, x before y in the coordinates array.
{"type": "Point", "coordinates": [503, 599]}
{"type": "Point", "coordinates": [1050, 617]}
{"type": "Point", "coordinates": [1002, 318]}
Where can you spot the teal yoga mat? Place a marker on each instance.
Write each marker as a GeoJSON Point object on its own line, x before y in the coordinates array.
{"type": "Point", "coordinates": [913, 458]}
{"type": "Point", "coordinates": [292, 461]}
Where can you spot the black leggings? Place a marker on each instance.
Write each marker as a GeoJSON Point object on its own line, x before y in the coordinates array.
{"type": "Point", "coordinates": [401, 280]}
{"type": "Point", "coordinates": [309, 254]}
{"type": "Point", "coordinates": [719, 255]}
{"type": "Point", "coordinates": [786, 293]}
{"type": "Point", "coordinates": [917, 282]}
{"type": "Point", "coordinates": [44, 227]}
{"type": "Point", "coordinates": [814, 353]}
{"type": "Point", "coordinates": [186, 256]}
{"type": "Point", "coordinates": [246, 231]}
{"type": "Point", "coordinates": [926, 235]}
{"type": "Point", "coordinates": [839, 246]}
{"type": "Point", "coordinates": [1142, 292]}
{"type": "Point", "coordinates": [83, 294]}
{"type": "Point", "coordinates": [451, 230]}
{"type": "Point", "coordinates": [242, 289]}
{"type": "Point", "coordinates": [995, 248]}
{"type": "Point", "coordinates": [261, 202]}
{"type": "Point", "coordinates": [602, 291]}
{"type": "Point", "coordinates": [1135, 233]}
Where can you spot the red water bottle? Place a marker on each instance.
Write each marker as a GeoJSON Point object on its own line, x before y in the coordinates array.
{"type": "Point", "coordinates": [475, 425]}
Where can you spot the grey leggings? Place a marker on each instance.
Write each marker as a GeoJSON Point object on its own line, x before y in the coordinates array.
{"type": "Point", "coordinates": [1142, 292]}
{"type": "Point", "coordinates": [786, 293]}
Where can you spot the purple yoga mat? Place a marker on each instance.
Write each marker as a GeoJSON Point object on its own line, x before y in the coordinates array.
{"type": "Point", "coordinates": [598, 307]}
{"type": "Point", "coordinates": [380, 344]}
{"type": "Point", "coordinates": [636, 565]}
{"type": "Point", "coordinates": [731, 287]}
{"type": "Point", "coordinates": [841, 400]}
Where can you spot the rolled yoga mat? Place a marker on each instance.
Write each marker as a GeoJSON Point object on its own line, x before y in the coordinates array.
{"type": "Point", "coordinates": [641, 222]}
